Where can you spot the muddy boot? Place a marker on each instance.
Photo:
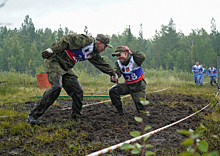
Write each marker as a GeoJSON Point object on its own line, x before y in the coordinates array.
{"type": "Point", "coordinates": [33, 120]}
{"type": "Point", "coordinates": [74, 117]}
{"type": "Point", "coordinates": [120, 110]}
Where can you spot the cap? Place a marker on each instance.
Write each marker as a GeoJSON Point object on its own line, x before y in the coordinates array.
{"type": "Point", "coordinates": [102, 38]}
{"type": "Point", "coordinates": [118, 50]}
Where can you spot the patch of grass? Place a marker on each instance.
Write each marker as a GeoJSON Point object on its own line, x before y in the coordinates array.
{"type": "Point", "coordinates": [59, 139]}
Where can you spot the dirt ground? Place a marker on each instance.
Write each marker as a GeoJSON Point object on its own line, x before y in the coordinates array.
{"type": "Point", "coordinates": [102, 124]}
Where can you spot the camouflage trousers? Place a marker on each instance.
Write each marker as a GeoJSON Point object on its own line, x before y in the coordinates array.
{"type": "Point", "coordinates": [58, 79]}
{"type": "Point", "coordinates": [137, 91]}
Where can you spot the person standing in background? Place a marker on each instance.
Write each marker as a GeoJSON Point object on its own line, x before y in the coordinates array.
{"type": "Point", "coordinates": [212, 72]}
{"type": "Point", "coordinates": [197, 69]}
{"type": "Point", "coordinates": [203, 74]}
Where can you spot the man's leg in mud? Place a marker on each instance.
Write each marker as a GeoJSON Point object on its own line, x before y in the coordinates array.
{"type": "Point", "coordinates": [139, 91]}
{"type": "Point", "coordinates": [136, 98]}
{"type": "Point", "coordinates": [75, 91]}
{"type": "Point", "coordinates": [115, 92]}
{"type": "Point", "coordinates": [47, 99]}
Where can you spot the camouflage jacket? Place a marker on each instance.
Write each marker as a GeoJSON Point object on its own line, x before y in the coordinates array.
{"type": "Point", "coordinates": [73, 42]}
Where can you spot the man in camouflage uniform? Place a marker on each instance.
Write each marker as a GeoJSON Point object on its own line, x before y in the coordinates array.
{"type": "Point", "coordinates": [128, 64]}
{"type": "Point", "coordinates": [59, 59]}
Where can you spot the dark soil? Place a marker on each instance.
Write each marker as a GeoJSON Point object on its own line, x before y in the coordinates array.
{"type": "Point", "coordinates": [102, 124]}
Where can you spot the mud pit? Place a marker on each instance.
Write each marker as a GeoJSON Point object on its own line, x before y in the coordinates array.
{"type": "Point", "coordinates": [102, 124]}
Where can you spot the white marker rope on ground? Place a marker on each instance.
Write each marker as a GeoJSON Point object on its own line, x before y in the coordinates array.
{"type": "Point", "coordinates": [103, 151]}
{"type": "Point", "coordinates": [6, 116]}
{"type": "Point", "coordinates": [110, 100]}
{"type": "Point", "coordinates": [102, 101]}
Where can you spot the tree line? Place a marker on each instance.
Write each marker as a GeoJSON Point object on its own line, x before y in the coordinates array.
{"type": "Point", "coordinates": [20, 49]}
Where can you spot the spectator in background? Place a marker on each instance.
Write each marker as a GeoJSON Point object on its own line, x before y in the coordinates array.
{"type": "Point", "coordinates": [218, 76]}
{"type": "Point", "coordinates": [212, 72]}
{"type": "Point", "coordinates": [203, 74]}
{"type": "Point", "coordinates": [197, 69]}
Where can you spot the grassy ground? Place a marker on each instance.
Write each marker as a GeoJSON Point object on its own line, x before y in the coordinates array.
{"type": "Point", "coordinates": [20, 88]}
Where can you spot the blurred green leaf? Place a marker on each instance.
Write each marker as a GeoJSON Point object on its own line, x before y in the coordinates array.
{"type": "Point", "coordinates": [184, 132]}
{"type": "Point", "coordinates": [144, 102]}
{"type": "Point", "coordinates": [146, 137]}
{"type": "Point", "coordinates": [148, 145]}
{"type": "Point", "coordinates": [197, 154]}
{"type": "Point", "coordinates": [127, 146]}
{"type": "Point", "coordinates": [195, 136]}
{"type": "Point", "coordinates": [138, 119]}
{"type": "Point", "coordinates": [142, 99]}
{"type": "Point", "coordinates": [149, 153]}
{"type": "Point", "coordinates": [186, 154]}
{"type": "Point", "coordinates": [187, 142]}
{"type": "Point", "coordinates": [213, 154]}
{"type": "Point", "coordinates": [203, 146]}
{"type": "Point", "coordinates": [135, 133]}
{"type": "Point", "coordinates": [201, 131]}
{"type": "Point", "coordinates": [147, 127]}
{"type": "Point", "coordinates": [138, 146]}
{"type": "Point", "coordinates": [135, 151]}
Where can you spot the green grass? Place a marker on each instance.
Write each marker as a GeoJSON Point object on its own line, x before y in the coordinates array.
{"type": "Point", "coordinates": [20, 88]}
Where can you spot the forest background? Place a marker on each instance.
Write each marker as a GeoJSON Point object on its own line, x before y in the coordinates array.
{"type": "Point", "coordinates": [20, 49]}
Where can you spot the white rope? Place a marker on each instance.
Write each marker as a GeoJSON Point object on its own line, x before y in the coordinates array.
{"type": "Point", "coordinates": [140, 137]}
{"type": "Point", "coordinates": [6, 116]}
{"type": "Point", "coordinates": [110, 100]}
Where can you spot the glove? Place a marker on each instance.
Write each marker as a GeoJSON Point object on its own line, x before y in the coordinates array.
{"type": "Point", "coordinates": [46, 54]}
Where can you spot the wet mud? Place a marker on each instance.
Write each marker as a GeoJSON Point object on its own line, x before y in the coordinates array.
{"type": "Point", "coordinates": [102, 124]}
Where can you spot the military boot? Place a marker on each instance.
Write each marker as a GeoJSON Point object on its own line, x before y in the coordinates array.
{"type": "Point", "coordinates": [120, 110]}
{"type": "Point", "coordinates": [74, 117]}
{"type": "Point", "coordinates": [33, 120]}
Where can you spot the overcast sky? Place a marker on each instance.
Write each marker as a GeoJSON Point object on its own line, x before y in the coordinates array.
{"type": "Point", "coordinates": [112, 16]}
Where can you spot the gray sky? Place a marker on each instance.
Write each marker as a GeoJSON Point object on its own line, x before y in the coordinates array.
{"type": "Point", "coordinates": [113, 16]}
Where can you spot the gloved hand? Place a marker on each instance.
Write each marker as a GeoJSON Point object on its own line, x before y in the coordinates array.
{"type": "Point", "coordinates": [46, 54]}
